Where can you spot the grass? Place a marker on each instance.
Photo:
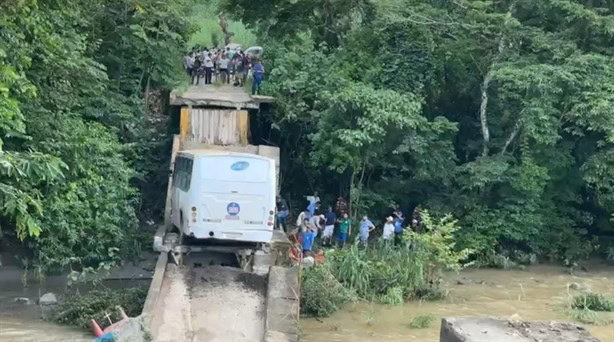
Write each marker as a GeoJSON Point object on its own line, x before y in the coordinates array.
{"type": "Point", "coordinates": [321, 293]}
{"type": "Point", "coordinates": [370, 317]}
{"type": "Point", "coordinates": [591, 308]}
{"type": "Point", "coordinates": [421, 321]}
{"type": "Point", "coordinates": [393, 296]}
{"type": "Point", "coordinates": [593, 301]}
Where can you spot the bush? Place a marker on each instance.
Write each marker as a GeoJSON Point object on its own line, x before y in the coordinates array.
{"type": "Point", "coordinates": [321, 293]}
{"type": "Point", "coordinates": [394, 296]}
{"type": "Point", "coordinates": [385, 273]}
{"type": "Point", "coordinates": [96, 304]}
{"type": "Point", "coordinates": [590, 308]}
{"type": "Point", "coordinates": [421, 322]}
{"type": "Point", "coordinates": [594, 302]}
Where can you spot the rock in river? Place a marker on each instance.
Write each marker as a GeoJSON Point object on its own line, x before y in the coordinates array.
{"type": "Point", "coordinates": [48, 299]}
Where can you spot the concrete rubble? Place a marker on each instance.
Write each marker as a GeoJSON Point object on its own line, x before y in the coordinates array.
{"type": "Point", "coordinates": [488, 329]}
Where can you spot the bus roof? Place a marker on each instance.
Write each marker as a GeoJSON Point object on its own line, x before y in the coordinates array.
{"type": "Point", "coordinates": [210, 152]}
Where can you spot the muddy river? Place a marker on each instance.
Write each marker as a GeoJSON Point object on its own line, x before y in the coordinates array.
{"type": "Point", "coordinates": [21, 322]}
{"type": "Point", "coordinates": [538, 293]}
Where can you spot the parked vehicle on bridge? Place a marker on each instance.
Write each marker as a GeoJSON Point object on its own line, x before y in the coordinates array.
{"type": "Point", "coordinates": [224, 195]}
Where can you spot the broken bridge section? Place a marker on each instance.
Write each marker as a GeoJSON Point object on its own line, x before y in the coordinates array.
{"type": "Point", "coordinates": [213, 95]}
{"type": "Point", "coordinates": [488, 329]}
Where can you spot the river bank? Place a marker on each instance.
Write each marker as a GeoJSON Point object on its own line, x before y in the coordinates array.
{"type": "Point", "coordinates": [538, 293]}
{"type": "Point", "coordinates": [20, 320]}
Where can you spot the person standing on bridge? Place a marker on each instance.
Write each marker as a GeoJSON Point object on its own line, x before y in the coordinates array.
{"type": "Point", "coordinates": [208, 68]}
{"type": "Point", "coordinates": [246, 67]}
{"type": "Point", "coordinates": [195, 70]}
{"type": "Point", "coordinates": [224, 63]}
{"type": "Point", "coordinates": [239, 70]}
{"type": "Point", "coordinates": [188, 62]}
{"type": "Point", "coordinates": [258, 72]}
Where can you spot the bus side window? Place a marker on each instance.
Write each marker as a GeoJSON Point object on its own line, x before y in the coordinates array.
{"type": "Point", "coordinates": [177, 171]}
{"type": "Point", "coordinates": [188, 173]}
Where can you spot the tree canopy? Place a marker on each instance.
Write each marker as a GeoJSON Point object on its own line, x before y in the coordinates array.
{"type": "Point", "coordinates": [74, 141]}
{"type": "Point", "coordinates": [500, 112]}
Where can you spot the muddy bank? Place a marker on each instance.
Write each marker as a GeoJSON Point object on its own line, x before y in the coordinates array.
{"type": "Point", "coordinates": [538, 293]}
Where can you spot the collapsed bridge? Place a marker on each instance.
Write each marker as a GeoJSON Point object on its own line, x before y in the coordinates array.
{"type": "Point", "coordinates": [220, 291]}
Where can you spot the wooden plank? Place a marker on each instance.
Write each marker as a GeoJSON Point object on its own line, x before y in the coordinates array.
{"type": "Point", "coordinates": [243, 123]}
{"type": "Point", "coordinates": [184, 122]}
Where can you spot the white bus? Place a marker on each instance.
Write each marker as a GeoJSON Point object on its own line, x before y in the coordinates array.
{"type": "Point", "coordinates": [224, 195]}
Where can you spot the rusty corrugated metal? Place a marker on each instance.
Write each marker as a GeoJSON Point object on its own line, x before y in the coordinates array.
{"type": "Point", "coordinates": [216, 127]}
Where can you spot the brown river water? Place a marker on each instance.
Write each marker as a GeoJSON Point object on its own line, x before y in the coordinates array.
{"type": "Point", "coordinates": [537, 293]}
{"type": "Point", "coordinates": [23, 323]}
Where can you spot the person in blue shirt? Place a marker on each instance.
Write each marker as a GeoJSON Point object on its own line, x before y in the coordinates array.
{"type": "Point", "coordinates": [398, 228]}
{"type": "Point", "coordinates": [308, 237]}
{"type": "Point", "coordinates": [312, 207]}
{"type": "Point", "coordinates": [258, 72]}
{"type": "Point", "coordinates": [366, 226]}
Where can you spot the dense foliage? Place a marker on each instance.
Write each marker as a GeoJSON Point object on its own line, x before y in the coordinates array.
{"type": "Point", "coordinates": [592, 308]}
{"type": "Point", "coordinates": [76, 142]}
{"type": "Point", "coordinates": [321, 293]}
{"type": "Point", "coordinates": [101, 305]}
{"type": "Point", "coordinates": [500, 112]}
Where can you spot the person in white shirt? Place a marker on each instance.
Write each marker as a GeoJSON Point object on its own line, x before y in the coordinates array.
{"type": "Point", "coordinates": [313, 199]}
{"type": "Point", "coordinates": [301, 218]}
{"type": "Point", "coordinates": [224, 69]}
{"type": "Point", "coordinates": [317, 221]}
{"type": "Point", "coordinates": [388, 229]}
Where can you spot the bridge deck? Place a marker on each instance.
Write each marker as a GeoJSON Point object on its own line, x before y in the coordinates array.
{"type": "Point", "coordinates": [216, 95]}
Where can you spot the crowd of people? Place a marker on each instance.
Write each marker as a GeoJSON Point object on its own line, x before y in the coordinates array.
{"type": "Point", "coordinates": [223, 65]}
{"type": "Point", "coordinates": [314, 221]}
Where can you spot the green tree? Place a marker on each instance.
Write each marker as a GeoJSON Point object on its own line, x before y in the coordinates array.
{"type": "Point", "coordinates": [74, 80]}
{"type": "Point", "coordinates": [513, 132]}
